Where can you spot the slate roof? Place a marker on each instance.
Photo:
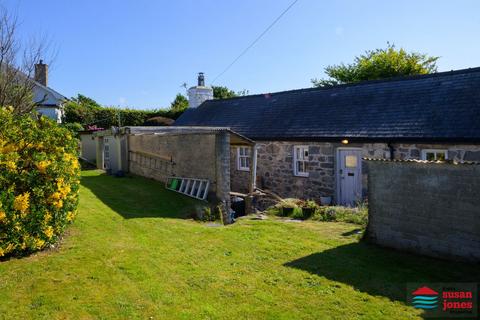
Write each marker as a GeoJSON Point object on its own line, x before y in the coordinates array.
{"type": "Point", "coordinates": [438, 107]}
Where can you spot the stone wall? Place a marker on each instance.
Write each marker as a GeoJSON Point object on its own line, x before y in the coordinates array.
{"type": "Point", "coordinates": [458, 152]}
{"type": "Point", "coordinates": [275, 170]}
{"type": "Point", "coordinates": [239, 179]}
{"type": "Point", "coordinates": [275, 165]}
{"type": "Point", "coordinates": [426, 208]}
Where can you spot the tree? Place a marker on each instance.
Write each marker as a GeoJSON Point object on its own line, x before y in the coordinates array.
{"type": "Point", "coordinates": [222, 92]}
{"type": "Point", "coordinates": [17, 65]}
{"type": "Point", "coordinates": [379, 64]}
{"type": "Point", "coordinates": [86, 101]}
{"type": "Point", "coordinates": [180, 103]}
{"type": "Point", "coordinates": [82, 110]}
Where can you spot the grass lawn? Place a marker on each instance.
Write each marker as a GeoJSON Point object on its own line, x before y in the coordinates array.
{"type": "Point", "coordinates": [129, 255]}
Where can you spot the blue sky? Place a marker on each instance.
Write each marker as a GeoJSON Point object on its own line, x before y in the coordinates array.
{"type": "Point", "coordinates": [138, 53]}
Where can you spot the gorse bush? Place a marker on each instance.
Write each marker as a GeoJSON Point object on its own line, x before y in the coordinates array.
{"type": "Point", "coordinates": [39, 181]}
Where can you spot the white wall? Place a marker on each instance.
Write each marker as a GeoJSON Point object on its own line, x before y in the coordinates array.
{"type": "Point", "coordinates": [88, 148]}
{"type": "Point", "coordinates": [51, 112]}
{"type": "Point", "coordinates": [197, 95]}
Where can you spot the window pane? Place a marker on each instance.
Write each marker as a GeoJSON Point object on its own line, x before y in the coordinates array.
{"type": "Point", "coordinates": [247, 164]}
{"type": "Point", "coordinates": [351, 161]}
{"type": "Point", "coordinates": [430, 156]}
{"type": "Point", "coordinates": [441, 156]}
{"type": "Point", "coordinates": [300, 166]}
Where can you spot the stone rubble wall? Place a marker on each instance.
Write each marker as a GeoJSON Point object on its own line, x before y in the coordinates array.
{"type": "Point", "coordinates": [275, 165]}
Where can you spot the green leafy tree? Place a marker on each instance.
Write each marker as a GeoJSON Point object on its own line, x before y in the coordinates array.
{"type": "Point", "coordinates": [221, 92]}
{"type": "Point", "coordinates": [81, 109]}
{"type": "Point", "coordinates": [379, 64]}
{"type": "Point", "coordinates": [86, 101]}
{"type": "Point", "coordinates": [180, 103]}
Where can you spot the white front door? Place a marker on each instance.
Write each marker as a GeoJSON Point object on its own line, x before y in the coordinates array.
{"type": "Point", "coordinates": [349, 176]}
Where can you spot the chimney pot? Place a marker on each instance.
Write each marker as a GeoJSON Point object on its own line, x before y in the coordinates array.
{"type": "Point", "coordinates": [201, 79]}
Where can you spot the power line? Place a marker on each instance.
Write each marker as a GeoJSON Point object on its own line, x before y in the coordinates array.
{"type": "Point", "coordinates": [255, 41]}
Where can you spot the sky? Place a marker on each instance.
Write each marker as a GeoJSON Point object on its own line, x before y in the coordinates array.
{"type": "Point", "coordinates": [137, 54]}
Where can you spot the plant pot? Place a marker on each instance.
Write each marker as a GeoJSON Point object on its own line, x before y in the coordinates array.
{"type": "Point", "coordinates": [325, 201]}
{"type": "Point", "coordinates": [286, 211]}
{"type": "Point", "coordinates": [307, 212]}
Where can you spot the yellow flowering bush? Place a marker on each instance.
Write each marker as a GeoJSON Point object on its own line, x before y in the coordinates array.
{"type": "Point", "coordinates": [39, 181]}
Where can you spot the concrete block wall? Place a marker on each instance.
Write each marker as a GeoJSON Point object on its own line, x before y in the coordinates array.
{"type": "Point", "coordinates": [88, 148]}
{"type": "Point", "coordinates": [426, 208]}
{"type": "Point", "coordinates": [191, 156]}
{"type": "Point", "coordinates": [151, 166]}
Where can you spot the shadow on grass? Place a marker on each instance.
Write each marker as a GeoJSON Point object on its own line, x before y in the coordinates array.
{"type": "Point", "coordinates": [137, 197]}
{"type": "Point", "coordinates": [380, 271]}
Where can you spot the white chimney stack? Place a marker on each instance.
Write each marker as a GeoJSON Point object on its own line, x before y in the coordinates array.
{"type": "Point", "coordinates": [200, 93]}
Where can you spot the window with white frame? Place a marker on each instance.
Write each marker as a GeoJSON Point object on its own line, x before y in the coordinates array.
{"type": "Point", "coordinates": [434, 155]}
{"type": "Point", "coordinates": [300, 161]}
{"type": "Point", "coordinates": [243, 158]}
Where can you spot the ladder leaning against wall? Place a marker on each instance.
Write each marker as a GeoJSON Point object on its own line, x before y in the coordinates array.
{"type": "Point", "coordinates": [195, 188]}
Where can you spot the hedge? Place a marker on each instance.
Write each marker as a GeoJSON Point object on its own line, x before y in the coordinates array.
{"type": "Point", "coordinates": [39, 182]}
{"type": "Point", "coordinates": [107, 117]}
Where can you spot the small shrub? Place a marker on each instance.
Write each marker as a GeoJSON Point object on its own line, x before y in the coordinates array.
{"type": "Point", "coordinates": [293, 208]}
{"type": "Point", "coordinates": [357, 215]}
{"type": "Point", "coordinates": [309, 208]}
{"type": "Point", "coordinates": [205, 213]}
{"type": "Point", "coordinates": [39, 182]}
{"type": "Point", "coordinates": [286, 208]}
{"type": "Point", "coordinates": [300, 209]}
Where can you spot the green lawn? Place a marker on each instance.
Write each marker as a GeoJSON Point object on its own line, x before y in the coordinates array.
{"type": "Point", "coordinates": [130, 254]}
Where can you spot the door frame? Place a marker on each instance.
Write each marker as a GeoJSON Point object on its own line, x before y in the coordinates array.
{"type": "Point", "coordinates": [107, 140]}
{"type": "Point", "coordinates": [337, 169]}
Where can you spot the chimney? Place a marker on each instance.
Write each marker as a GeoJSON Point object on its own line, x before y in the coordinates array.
{"type": "Point", "coordinates": [199, 94]}
{"type": "Point", "coordinates": [41, 73]}
{"type": "Point", "coordinates": [201, 79]}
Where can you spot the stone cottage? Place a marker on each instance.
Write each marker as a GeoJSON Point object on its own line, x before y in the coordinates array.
{"type": "Point", "coordinates": [310, 142]}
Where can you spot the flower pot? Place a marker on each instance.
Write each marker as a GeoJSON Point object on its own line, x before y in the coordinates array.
{"type": "Point", "coordinates": [307, 212]}
{"type": "Point", "coordinates": [286, 211]}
